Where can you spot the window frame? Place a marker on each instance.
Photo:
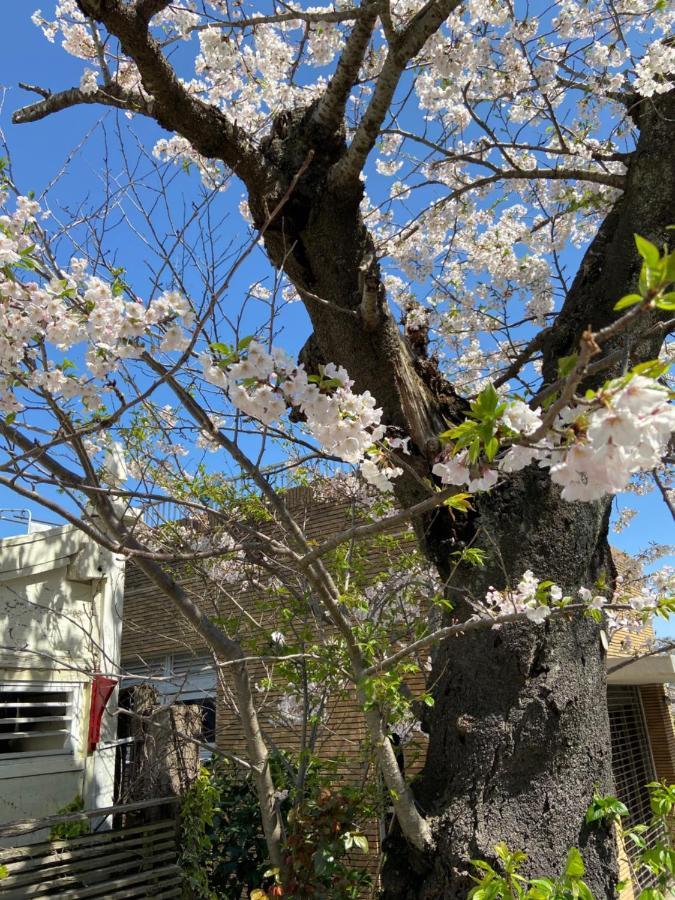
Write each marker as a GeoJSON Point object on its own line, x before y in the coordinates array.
{"type": "Point", "coordinates": [73, 723]}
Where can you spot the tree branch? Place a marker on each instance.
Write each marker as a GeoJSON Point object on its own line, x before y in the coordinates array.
{"type": "Point", "coordinates": [208, 129]}
{"type": "Point", "coordinates": [462, 628]}
{"type": "Point", "coordinates": [112, 95]}
{"type": "Point", "coordinates": [329, 15]}
{"type": "Point", "coordinates": [146, 9]}
{"type": "Point", "coordinates": [360, 532]}
{"type": "Point", "coordinates": [425, 23]}
{"type": "Point", "coordinates": [665, 492]}
{"type": "Point", "coordinates": [330, 110]}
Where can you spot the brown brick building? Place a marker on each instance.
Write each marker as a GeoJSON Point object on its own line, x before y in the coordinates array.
{"type": "Point", "coordinates": [158, 644]}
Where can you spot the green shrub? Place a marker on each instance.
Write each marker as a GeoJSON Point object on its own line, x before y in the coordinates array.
{"type": "Point", "coordinates": [222, 846]}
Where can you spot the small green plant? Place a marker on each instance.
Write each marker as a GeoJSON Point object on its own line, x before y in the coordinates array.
{"type": "Point", "coordinates": [508, 883]}
{"type": "Point", "coordinates": [605, 808]}
{"type": "Point", "coordinates": [656, 857]}
{"type": "Point", "coordinates": [65, 830]}
{"type": "Point", "coordinates": [505, 881]}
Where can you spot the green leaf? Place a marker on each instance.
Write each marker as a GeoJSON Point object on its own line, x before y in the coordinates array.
{"type": "Point", "coordinates": [463, 434]}
{"type": "Point", "coordinates": [666, 301]}
{"type": "Point", "coordinates": [460, 502]}
{"type": "Point", "coordinates": [607, 807]}
{"type": "Point", "coordinates": [486, 406]}
{"type": "Point", "coordinates": [482, 865]}
{"type": "Point", "coordinates": [4, 872]}
{"type": "Point", "coordinates": [583, 891]}
{"type": "Point", "coordinates": [652, 368]}
{"type": "Point", "coordinates": [472, 556]}
{"type": "Point", "coordinates": [491, 448]}
{"type": "Point", "coordinates": [574, 867]}
{"type": "Point", "coordinates": [628, 300]}
{"type": "Point", "coordinates": [670, 268]}
{"type": "Point", "coordinates": [502, 851]}
{"type": "Point", "coordinates": [567, 363]}
{"type": "Point", "coordinates": [647, 251]}
{"type": "Point", "coordinates": [219, 347]}
{"type": "Point", "coordinates": [489, 892]}
{"type": "Point", "coordinates": [541, 889]}
{"type": "Point", "coordinates": [244, 342]}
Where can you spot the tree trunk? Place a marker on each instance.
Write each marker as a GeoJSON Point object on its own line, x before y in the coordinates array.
{"type": "Point", "coordinates": [519, 735]}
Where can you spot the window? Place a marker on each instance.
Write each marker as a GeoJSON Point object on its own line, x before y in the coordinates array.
{"type": "Point", "coordinates": [182, 680]}
{"type": "Point", "coordinates": [36, 718]}
{"type": "Point", "coordinates": [631, 757]}
{"type": "Point", "coordinates": [175, 677]}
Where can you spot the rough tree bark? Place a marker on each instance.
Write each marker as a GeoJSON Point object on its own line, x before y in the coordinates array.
{"type": "Point", "coordinates": [519, 738]}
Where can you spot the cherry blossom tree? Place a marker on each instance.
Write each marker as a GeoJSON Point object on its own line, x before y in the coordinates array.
{"type": "Point", "coordinates": [452, 362]}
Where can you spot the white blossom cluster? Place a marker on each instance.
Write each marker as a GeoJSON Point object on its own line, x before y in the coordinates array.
{"type": "Point", "coordinates": [625, 430]}
{"type": "Point", "coordinates": [471, 261]}
{"type": "Point", "coordinates": [655, 70]}
{"type": "Point", "coordinates": [345, 424]}
{"type": "Point", "coordinates": [537, 600]}
{"type": "Point", "coordinates": [594, 448]}
{"type": "Point", "coordinates": [629, 431]}
{"type": "Point", "coordinates": [457, 470]}
{"type": "Point", "coordinates": [527, 598]}
{"type": "Point", "coordinates": [477, 252]}
{"type": "Point", "coordinates": [66, 310]}
{"type": "Point", "coordinates": [623, 520]}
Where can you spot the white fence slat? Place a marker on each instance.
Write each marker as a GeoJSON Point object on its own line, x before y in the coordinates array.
{"type": "Point", "coordinates": [70, 869]}
{"type": "Point", "coordinates": [108, 886]}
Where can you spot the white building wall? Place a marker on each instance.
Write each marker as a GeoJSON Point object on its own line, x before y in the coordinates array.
{"type": "Point", "coordinates": [61, 601]}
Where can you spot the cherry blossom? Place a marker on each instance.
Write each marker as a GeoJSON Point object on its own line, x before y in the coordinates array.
{"type": "Point", "coordinates": [345, 424]}
{"type": "Point", "coordinates": [502, 255]}
{"type": "Point", "coordinates": [627, 432]}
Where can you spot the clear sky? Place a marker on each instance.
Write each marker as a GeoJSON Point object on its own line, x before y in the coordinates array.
{"type": "Point", "coordinates": [41, 150]}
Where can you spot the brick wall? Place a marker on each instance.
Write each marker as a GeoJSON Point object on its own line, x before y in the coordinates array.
{"type": "Point", "coordinates": [152, 627]}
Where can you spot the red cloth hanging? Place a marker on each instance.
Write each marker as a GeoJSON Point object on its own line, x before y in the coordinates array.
{"type": "Point", "coordinates": [101, 689]}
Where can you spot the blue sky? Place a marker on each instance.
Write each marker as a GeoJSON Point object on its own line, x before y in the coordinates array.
{"type": "Point", "coordinates": [40, 151]}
